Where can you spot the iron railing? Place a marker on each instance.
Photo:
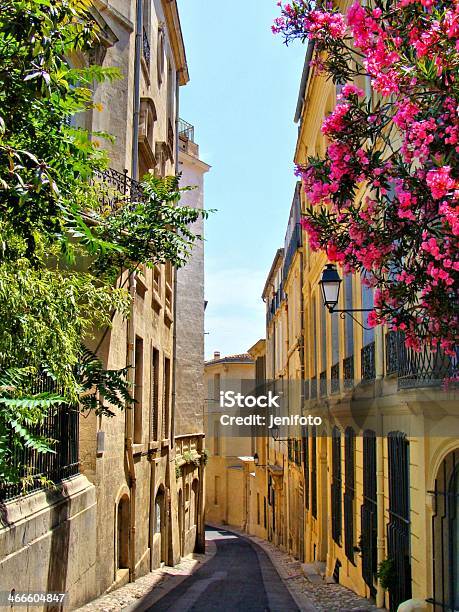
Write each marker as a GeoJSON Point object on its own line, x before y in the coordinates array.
{"type": "Point", "coordinates": [424, 368]}
{"type": "Point", "coordinates": [335, 386]}
{"type": "Point", "coordinates": [36, 470]}
{"type": "Point", "coordinates": [369, 513]}
{"type": "Point", "coordinates": [117, 189]}
{"type": "Point", "coordinates": [398, 529]}
{"type": "Point", "coordinates": [391, 353]}
{"type": "Point", "coordinates": [368, 362]}
{"type": "Point", "coordinates": [313, 393]}
{"type": "Point", "coordinates": [323, 384]}
{"type": "Point", "coordinates": [186, 129]}
{"type": "Point", "coordinates": [348, 372]}
{"type": "Point", "coordinates": [146, 50]}
{"type": "Point", "coordinates": [294, 244]}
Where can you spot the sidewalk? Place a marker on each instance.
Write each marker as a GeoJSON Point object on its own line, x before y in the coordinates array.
{"type": "Point", "coordinates": [310, 592]}
{"type": "Point", "coordinates": [152, 586]}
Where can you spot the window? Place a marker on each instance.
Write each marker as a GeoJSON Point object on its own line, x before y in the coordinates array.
{"type": "Point", "coordinates": [160, 56]}
{"type": "Point", "coordinates": [265, 513]}
{"type": "Point", "coordinates": [349, 323]}
{"type": "Point", "coordinates": [123, 532]}
{"type": "Point", "coordinates": [258, 509]}
{"type": "Point", "coordinates": [217, 437]}
{"type": "Point", "coordinates": [398, 529]}
{"type": "Point", "coordinates": [138, 390]}
{"type": "Point", "coordinates": [216, 490]}
{"type": "Point", "coordinates": [154, 393]}
{"type": "Point", "coordinates": [336, 486]}
{"type": "Point", "coordinates": [349, 492]}
{"type": "Point", "coordinates": [314, 473]}
{"type": "Point", "coordinates": [217, 388]}
{"type": "Point", "coordinates": [369, 512]}
{"type": "Point", "coordinates": [166, 397]}
{"type": "Point", "coordinates": [306, 466]}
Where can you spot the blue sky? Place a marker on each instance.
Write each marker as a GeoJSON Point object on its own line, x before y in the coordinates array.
{"type": "Point", "coordinates": [241, 99]}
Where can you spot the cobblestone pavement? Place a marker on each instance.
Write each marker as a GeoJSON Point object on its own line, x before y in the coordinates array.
{"type": "Point", "coordinates": [309, 596]}
{"type": "Point", "coordinates": [159, 582]}
{"type": "Point", "coordinates": [317, 596]}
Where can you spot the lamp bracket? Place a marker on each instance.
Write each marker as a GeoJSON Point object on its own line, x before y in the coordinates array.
{"type": "Point", "coordinates": [343, 313]}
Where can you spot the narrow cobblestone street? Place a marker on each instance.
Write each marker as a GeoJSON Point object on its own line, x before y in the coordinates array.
{"type": "Point", "coordinates": [238, 572]}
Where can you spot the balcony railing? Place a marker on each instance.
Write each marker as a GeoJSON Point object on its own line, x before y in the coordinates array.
{"type": "Point", "coordinates": [294, 244]}
{"type": "Point", "coordinates": [146, 51]}
{"type": "Point", "coordinates": [391, 353]}
{"type": "Point", "coordinates": [62, 426]}
{"type": "Point", "coordinates": [348, 372]}
{"type": "Point", "coordinates": [368, 362]}
{"type": "Point", "coordinates": [186, 129]}
{"type": "Point", "coordinates": [335, 378]}
{"type": "Point", "coordinates": [117, 189]}
{"type": "Point", "coordinates": [313, 388]}
{"type": "Point", "coordinates": [323, 383]}
{"type": "Point", "coordinates": [424, 368]}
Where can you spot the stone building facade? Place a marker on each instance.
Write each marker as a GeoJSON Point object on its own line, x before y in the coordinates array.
{"type": "Point", "coordinates": [132, 506]}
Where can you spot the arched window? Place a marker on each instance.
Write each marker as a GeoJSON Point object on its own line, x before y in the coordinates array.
{"type": "Point", "coordinates": [122, 519]}
{"type": "Point", "coordinates": [160, 55]}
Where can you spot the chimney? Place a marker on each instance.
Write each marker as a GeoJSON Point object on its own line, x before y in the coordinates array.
{"type": "Point", "coordinates": [216, 354]}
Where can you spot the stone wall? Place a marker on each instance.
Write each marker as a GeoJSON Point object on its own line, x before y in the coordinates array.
{"type": "Point", "coordinates": [48, 542]}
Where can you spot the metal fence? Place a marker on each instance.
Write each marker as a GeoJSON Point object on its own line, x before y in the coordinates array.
{"type": "Point", "coordinates": [34, 469]}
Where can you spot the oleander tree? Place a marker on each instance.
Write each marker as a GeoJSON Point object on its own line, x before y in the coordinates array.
{"type": "Point", "coordinates": [400, 148]}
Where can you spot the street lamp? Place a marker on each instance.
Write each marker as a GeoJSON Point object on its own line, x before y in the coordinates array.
{"type": "Point", "coordinates": [330, 284]}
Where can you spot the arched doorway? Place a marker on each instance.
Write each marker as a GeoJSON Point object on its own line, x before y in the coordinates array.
{"type": "Point", "coordinates": [159, 524]}
{"type": "Point", "coordinates": [122, 521]}
{"type": "Point", "coordinates": [445, 536]}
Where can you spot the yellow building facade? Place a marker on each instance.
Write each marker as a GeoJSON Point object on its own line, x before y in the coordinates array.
{"type": "Point", "coordinates": [227, 491]}
{"type": "Point", "coordinates": [375, 486]}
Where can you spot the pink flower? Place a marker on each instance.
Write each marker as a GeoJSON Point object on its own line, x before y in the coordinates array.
{"type": "Point", "coordinates": [439, 181]}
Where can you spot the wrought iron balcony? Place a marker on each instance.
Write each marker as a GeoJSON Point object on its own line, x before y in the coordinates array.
{"type": "Point", "coordinates": [368, 362]}
{"type": "Point", "coordinates": [424, 368]}
{"type": "Point", "coordinates": [117, 189]}
{"type": "Point", "coordinates": [335, 386]}
{"type": "Point", "coordinates": [323, 383]}
{"type": "Point", "coordinates": [186, 129]}
{"type": "Point", "coordinates": [348, 372]}
{"type": "Point", "coordinates": [294, 244]}
{"type": "Point", "coordinates": [391, 353]}
{"type": "Point", "coordinates": [146, 51]}
{"type": "Point", "coordinates": [313, 394]}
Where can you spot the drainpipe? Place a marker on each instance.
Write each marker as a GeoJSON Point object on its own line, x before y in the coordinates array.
{"type": "Point", "coordinates": [175, 292]}
{"type": "Point", "coordinates": [137, 69]}
{"type": "Point", "coordinates": [129, 417]}
{"type": "Point", "coordinates": [130, 352]}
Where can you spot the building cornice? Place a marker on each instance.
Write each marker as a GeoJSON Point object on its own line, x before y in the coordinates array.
{"type": "Point", "coordinates": [174, 28]}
